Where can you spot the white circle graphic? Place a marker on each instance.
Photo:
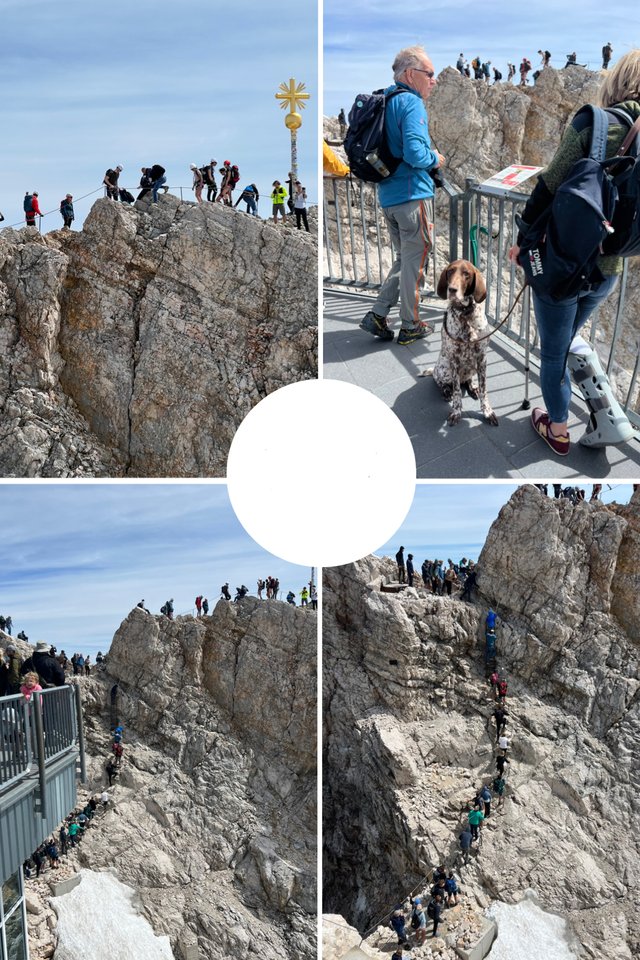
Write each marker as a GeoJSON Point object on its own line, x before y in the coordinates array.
{"type": "Point", "coordinates": [321, 473]}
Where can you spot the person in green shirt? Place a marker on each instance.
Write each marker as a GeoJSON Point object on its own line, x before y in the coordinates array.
{"type": "Point", "coordinates": [475, 822]}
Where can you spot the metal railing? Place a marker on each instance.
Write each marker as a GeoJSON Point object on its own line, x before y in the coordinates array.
{"type": "Point", "coordinates": [478, 225]}
{"type": "Point", "coordinates": [35, 733]}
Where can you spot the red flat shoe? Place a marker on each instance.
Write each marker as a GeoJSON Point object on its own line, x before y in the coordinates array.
{"type": "Point", "coordinates": [542, 425]}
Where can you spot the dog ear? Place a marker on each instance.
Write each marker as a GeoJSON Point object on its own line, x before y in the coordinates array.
{"type": "Point", "coordinates": [443, 283]}
{"type": "Point", "coordinates": [479, 287]}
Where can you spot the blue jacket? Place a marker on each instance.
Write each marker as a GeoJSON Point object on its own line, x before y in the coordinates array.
{"type": "Point", "coordinates": [407, 129]}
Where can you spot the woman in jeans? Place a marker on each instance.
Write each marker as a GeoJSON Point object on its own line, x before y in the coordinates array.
{"type": "Point", "coordinates": [559, 321]}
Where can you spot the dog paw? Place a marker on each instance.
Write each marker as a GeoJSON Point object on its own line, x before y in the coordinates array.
{"type": "Point", "coordinates": [492, 419]}
{"type": "Point", "coordinates": [446, 391]}
{"type": "Point", "coordinates": [453, 418]}
{"type": "Point", "coordinates": [471, 390]}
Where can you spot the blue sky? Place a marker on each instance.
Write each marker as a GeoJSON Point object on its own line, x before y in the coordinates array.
{"type": "Point", "coordinates": [88, 85]}
{"type": "Point", "coordinates": [361, 38]}
{"type": "Point", "coordinates": [452, 520]}
{"type": "Point", "coordinates": [76, 557]}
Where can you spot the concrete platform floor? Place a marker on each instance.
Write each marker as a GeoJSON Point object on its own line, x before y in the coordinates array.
{"type": "Point", "coordinates": [473, 448]}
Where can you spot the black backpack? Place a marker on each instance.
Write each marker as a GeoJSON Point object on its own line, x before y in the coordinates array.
{"type": "Point", "coordinates": [28, 203]}
{"type": "Point", "coordinates": [431, 909]}
{"type": "Point", "coordinates": [365, 143]}
{"type": "Point", "coordinates": [559, 252]}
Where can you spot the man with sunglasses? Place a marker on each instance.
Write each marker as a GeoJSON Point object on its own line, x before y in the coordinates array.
{"type": "Point", "coordinates": [406, 196]}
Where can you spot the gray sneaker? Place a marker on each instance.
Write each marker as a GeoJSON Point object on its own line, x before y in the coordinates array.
{"type": "Point", "coordinates": [376, 325]}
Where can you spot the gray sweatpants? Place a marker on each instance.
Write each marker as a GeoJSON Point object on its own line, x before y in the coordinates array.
{"type": "Point", "coordinates": [408, 225]}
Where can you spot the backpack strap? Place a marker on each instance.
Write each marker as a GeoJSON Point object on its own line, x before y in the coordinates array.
{"type": "Point", "coordinates": [630, 137]}
{"type": "Point", "coordinates": [598, 149]}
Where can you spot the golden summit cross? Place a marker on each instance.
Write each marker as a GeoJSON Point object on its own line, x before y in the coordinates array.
{"type": "Point", "coordinates": [292, 95]}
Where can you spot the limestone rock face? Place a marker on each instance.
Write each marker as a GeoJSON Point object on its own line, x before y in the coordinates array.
{"type": "Point", "coordinates": [481, 127]}
{"type": "Point", "coordinates": [214, 820]}
{"type": "Point", "coordinates": [137, 346]}
{"type": "Point", "coordinates": [408, 729]}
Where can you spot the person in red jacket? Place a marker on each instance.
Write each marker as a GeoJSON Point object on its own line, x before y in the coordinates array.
{"type": "Point", "coordinates": [31, 208]}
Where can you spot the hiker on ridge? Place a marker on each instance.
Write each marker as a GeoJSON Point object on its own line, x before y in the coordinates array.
{"type": "Point", "coordinates": [277, 201]}
{"type": "Point", "coordinates": [401, 568]}
{"type": "Point", "coordinates": [110, 181]}
{"type": "Point", "coordinates": [31, 208]}
{"type": "Point", "coordinates": [406, 197]}
{"type": "Point", "coordinates": [66, 211]}
{"type": "Point", "coordinates": [410, 569]}
{"type": "Point", "coordinates": [198, 181]}
{"type": "Point", "coordinates": [250, 195]}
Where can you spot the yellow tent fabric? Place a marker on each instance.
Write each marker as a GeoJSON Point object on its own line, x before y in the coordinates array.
{"type": "Point", "coordinates": [331, 162]}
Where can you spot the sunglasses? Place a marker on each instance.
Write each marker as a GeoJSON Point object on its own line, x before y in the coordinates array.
{"type": "Point", "coordinates": [429, 73]}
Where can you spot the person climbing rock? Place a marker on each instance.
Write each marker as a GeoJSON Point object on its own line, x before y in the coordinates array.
{"type": "Point", "coordinates": [398, 923]}
{"type": "Point", "coordinates": [224, 590]}
{"type": "Point", "coordinates": [502, 690]}
{"type": "Point", "coordinates": [475, 818]}
{"type": "Point", "coordinates": [401, 567]}
{"type": "Point", "coordinates": [504, 744]}
{"type": "Point", "coordinates": [469, 585]}
{"type": "Point", "coordinates": [205, 607]}
{"type": "Point", "coordinates": [500, 716]}
{"type": "Point", "coordinates": [490, 646]}
{"type": "Point", "coordinates": [31, 208]}
{"type": "Point", "coordinates": [465, 840]}
{"type": "Point", "coordinates": [486, 796]}
{"type": "Point", "coordinates": [198, 606]}
{"type": "Point", "coordinates": [111, 770]}
{"type": "Point", "coordinates": [500, 764]}
{"type": "Point", "coordinates": [498, 788]}
{"type": "Point", "coordinates": [421, 922]}
{"type": "Point", "coordinates": [434, 910]}
{"type": "Point", "coordinates": [492, 616]}
{"type": "Point", "coordinates": [451, 886]}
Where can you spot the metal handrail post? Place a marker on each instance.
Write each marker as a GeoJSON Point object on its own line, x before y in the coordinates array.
{"type": "Point", "coordinates": [83, 758]}
{"type": "Point", "coordinates": [467, 199]}
{"type": "Point", "coordinates": [618, 321]}
{"type": "Point", "coordinates": [39, 733]}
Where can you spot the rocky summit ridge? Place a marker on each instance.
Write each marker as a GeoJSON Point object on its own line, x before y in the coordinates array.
{"type": "Point", "coordinates": [409, 734]}
{"type": "Point", "coordinates": [136, 346]}
{"type": "Point", "coordinates": [214, 810]}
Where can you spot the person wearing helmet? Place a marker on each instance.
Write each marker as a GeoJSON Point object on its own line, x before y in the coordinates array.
{"type": "Point", "coordinates": [198, 182]}
{"type": "Point", "coordinates": [110, 181]}
{"type": "Point", "coordinates": [208, 172]}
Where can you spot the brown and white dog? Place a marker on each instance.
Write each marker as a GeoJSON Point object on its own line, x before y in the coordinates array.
{"type": "Point", "coordinates": [463, 354]}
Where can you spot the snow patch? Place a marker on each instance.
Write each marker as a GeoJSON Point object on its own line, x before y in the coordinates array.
{"type": "Point", "coordinates": [99, 919]}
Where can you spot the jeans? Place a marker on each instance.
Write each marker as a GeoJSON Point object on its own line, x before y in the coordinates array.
{"type": "Point", "coordinates": [558, 323]}
{"type": "Point", "coordinates": [156, 186]}
{"type": "Point", "coordinates": [252, 206]}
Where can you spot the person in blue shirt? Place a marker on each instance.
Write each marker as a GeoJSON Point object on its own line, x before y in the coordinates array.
{"type": "Point", "coordinates": [406, 195]}
{"type": "Point", "coordinates": [491, 620]}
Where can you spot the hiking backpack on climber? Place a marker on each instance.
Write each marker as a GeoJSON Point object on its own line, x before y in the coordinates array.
{"type": "Point", "coordinates": [365, 144]}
